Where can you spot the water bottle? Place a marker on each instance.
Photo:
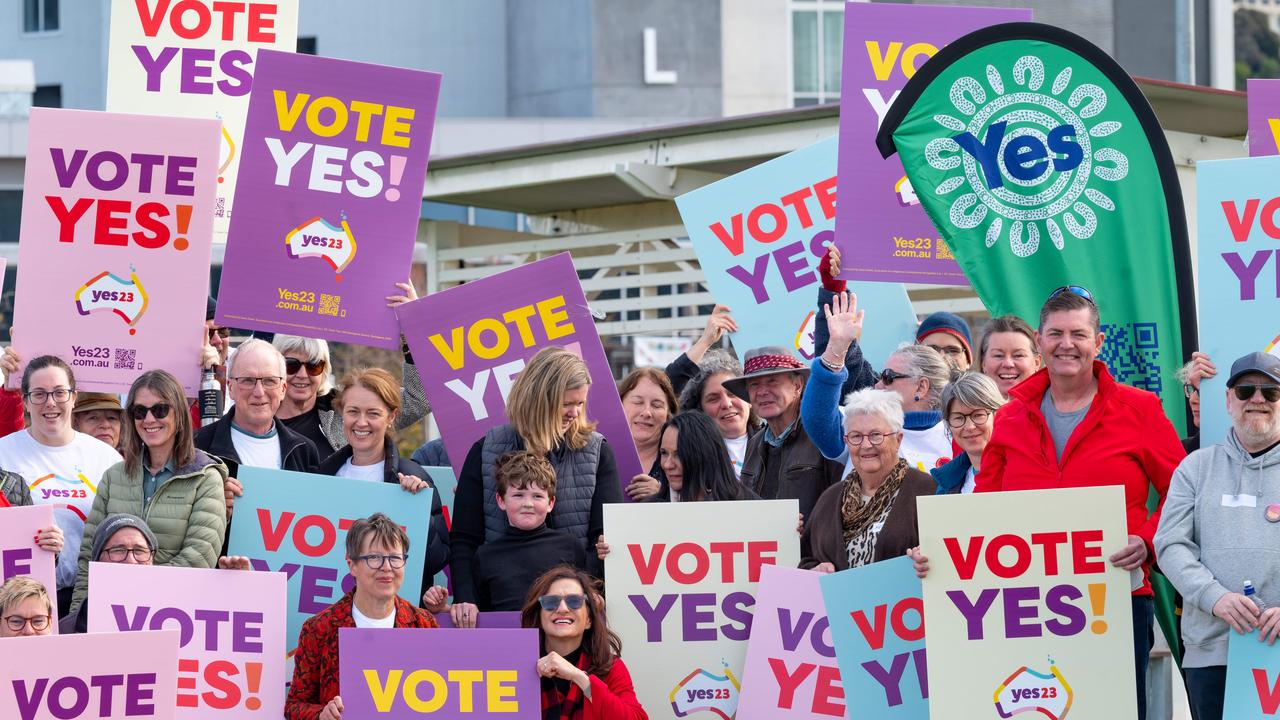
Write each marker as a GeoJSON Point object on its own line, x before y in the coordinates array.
{"type": "Point", "coordinates": [1252, 593]}
{"type": "Point", "coordinates": [210, 398]}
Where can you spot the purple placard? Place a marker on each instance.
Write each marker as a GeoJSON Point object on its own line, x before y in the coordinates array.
{"type": "Point", "coordinates": [881, 229]}
{"type": "Point", "coordinates": [328, 198]}
{"type": "Point", "coordinates": [1264, 116]}
{"type": "Point", "coordinates": [451, 674]}
{"type": "Point", "coordinates": [544, 306]}
{"type": "Point", "coordinates": [485, 620]}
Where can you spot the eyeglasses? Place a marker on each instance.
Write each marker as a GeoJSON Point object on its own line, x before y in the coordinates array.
{"type": "Point", "coordinates": [979, 418]}
{"type": "Point", "coordinates": [247, 383]}
{"type": "Point", "coordinates": [221, 332]}
{"type": "Point", "coordinates": [887, 376]}
{"type": "Point", "coordinates": [59, 395]}
{"type": "Point", "coordinates": [293, 365]}
{"type": "Point", "coordinates": [375, 562]}
{"type": "Point", "coordinates": [117, 553]}
{"type": "Point", "coordinates": [16, 622]}
{"type": "Point", "coordinates": [947, 350]}
{"type": "Point", "coordinates": [1270, 393]}
{"type": "Point", "coordinates": [1074, 290]}
{"type": "Point", "coordinates": [159, 411]}
{"type": "Point", "coordinates": [855, 438]}
{"type": "Point", "coordinates": [551, 603]}
{"type": "Point", "coordinates": [1188, 390]}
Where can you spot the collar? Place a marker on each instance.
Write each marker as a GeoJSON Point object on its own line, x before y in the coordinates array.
{"type": "Point", "coordinates": [777, 440]}
{"type": "Point", "coordinates": [1031, 391]}
{"type": "Point", "coordinates": [269, 434]}
{"type": "Point", "coordinates": [921, 419]}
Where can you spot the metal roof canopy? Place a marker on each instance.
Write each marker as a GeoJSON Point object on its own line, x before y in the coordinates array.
{"type": "Point", "coordinates": [661, 163]}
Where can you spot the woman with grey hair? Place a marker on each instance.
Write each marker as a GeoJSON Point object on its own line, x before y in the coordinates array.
{"type": "Point", "coordinates": [969, 404]}
{"type": "Point", "coordinates": [308, 406]}
{"type": "Point", "coordinates": [871, 514]}
{"type": "Point", "coordinates": [734, 417]}
{"type": "Point", "coordinates": [919, 374]}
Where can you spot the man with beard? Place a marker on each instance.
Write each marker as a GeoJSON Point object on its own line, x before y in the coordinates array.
{"type": "Point", "coordinates": [1072, 425]}
{"type": "Point", "coordinates": [1221, 527]}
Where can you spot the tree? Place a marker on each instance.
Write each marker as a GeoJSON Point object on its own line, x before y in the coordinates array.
{"type": "Point", "coordinates": [1257, 47]}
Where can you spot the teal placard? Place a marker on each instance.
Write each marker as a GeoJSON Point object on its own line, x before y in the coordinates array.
{"type": "Point", "coordinates": [759, 236]}
{"type": "Point", "coordinates": [1253, 678]}
{"type": "Point", "coordinates": [1236, 201]}
{"type": "Point", "coordinates": [296, 523]}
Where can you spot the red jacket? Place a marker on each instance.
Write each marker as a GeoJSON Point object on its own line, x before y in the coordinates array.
{"type": "Point", "coordinates": [1124, 439]}
{"type": "Point", "coordinates": [315, 670]}
{"type": "Point", "coordinates": [612, 697]}
{"type": "Point", "coordinates": [10, 411]}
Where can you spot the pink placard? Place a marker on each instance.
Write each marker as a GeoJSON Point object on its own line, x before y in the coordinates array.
{"type": "Point", "coordinates": [98, 676]}
{"type": "Point", "coordinates": [117, 229]}
{"type": "Point", "coordinates": [19, 554]}
{"type": "Point", "coordinates": [232, 622]}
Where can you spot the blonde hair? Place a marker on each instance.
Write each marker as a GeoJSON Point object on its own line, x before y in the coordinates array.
{"type": "Point", "coordinates": [534, 405]}
{"type": "Point", "coordinates": [21, 587]}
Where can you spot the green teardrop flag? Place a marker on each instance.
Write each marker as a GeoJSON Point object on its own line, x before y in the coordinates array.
{"type": "Point", "coordinates": [1042, 165]}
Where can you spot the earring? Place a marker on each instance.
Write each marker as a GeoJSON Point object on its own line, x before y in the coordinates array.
{"type": "Point", "coordinates": [917, 398]}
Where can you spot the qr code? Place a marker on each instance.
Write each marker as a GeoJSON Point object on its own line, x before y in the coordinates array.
{"type": "Point", "coordinates": [220, 209]}
{"type": "Point", "coordinates": [126, 358]}
{"type": "Point", "coordinates": [329, 304]}
{"type": "Point", "coordinates": [1132, 354]}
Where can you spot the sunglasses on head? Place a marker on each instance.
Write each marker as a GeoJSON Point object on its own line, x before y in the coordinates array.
{"type": "Point", "coordinates": [1270, 393]}
{"type": "Point", "coordinates": [1074, 290]}
{"type": "Point", "coordinates": [159, 411]}
{"type": "Point", "coordinates": [551, 603]}
{"type": "Point", "coordinates": [293, 365]}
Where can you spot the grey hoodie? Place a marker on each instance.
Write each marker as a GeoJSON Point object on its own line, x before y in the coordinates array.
{"type": "Point", "coordinates": [1207, 549]}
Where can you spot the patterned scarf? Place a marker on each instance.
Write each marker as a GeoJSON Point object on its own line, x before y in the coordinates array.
{"type": "Point", "coordinates": [857, 517]}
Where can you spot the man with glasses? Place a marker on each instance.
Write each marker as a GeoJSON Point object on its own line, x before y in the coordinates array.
{"type": "Point", "coordinates": [249, 434]}
{"type": "Point", "coordinates": [1072, 425]}
{"type": "Point", "coordinates": [1221, 527]}
{"type": "Point", "coordinates": [948, 334]}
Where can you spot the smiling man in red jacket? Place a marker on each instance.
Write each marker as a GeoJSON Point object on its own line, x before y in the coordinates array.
{"type": "Point", "coordinates": [1073, 425]}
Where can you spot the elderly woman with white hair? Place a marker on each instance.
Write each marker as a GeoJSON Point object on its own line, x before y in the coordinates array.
{"type": "Point", "coordinates": [309, 408]}
{"type": "Point", "coordinates": [871, 514]}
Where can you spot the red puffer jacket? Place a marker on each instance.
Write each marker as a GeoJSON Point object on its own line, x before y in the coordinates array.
{"type": "Point", "coordinates": [1124, 439]}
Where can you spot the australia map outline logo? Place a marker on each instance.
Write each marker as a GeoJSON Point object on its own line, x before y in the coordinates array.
{"type": "Point", "coordinates": [702, 690]}
{"type": "Point", "coordinates": [1027, 690]}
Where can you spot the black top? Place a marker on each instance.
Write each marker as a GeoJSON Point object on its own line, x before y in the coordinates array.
{"type": "Point", "coordinates": [466, 534]}
{"type": "Point", "coordinates": [506, 568]}
{"type": "Point", "coordinates": [308, 426]}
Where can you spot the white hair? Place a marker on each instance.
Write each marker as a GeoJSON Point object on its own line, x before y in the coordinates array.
{"type": "Point", "coordinates": [249, 346]}
{"type": "Point", "coordinates": [312, 349]}
{"type": "Point", "coordinates": [884, 404]}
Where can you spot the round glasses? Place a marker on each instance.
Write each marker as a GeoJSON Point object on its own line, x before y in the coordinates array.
{"type": "Point", "coordinates": [375, 562]}
{"type": "Point", "coordinates": [979, 418]}
{"type": "Point", "coordinates": [16, 622]}
{"type": "Point", "coordinates": [874, 437]}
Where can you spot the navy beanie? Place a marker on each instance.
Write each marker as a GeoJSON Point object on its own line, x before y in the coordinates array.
{"type": "Point", "coordinates": [949, 323]}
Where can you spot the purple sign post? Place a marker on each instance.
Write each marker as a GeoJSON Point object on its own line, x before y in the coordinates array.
{"type": "Point", "coordinates": [328, 198]}
{"type": "Point", "coordinates": [881, 229]}
{"type": "Point", "coordinates": [1264, 116]}
{"type": "Point", "coordinates": [470, 341]}
{"type": "Point", "coordinates": [451, 674]}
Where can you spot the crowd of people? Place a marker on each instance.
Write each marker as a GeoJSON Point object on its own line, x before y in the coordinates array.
{"type": "Point", "coordinates": [1031, 409]}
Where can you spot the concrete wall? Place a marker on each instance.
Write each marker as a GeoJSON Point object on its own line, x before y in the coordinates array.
{"type": "Point", "coordinates": [74, 56]}
{"type": "Point", "coordinates": [688, 43]}
{"type": "Point", "coordinates": [755, 55]}
{"type": "Point", "coordinates": [549, 64]}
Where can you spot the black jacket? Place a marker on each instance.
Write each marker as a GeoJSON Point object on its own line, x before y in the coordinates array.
{"type": "Point", "coordinates": [296, 452]}
{"type": "Point", "coordinates": [436, 556]}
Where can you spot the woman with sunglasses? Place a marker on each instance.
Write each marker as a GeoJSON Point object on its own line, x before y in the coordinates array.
{"type": "Point", "coordinates": [61, 467]}
{"type": "Point", "coordinates": [369, 405]}
{"type": "Point", "coordinates": [175, 488]}
{"type": "Point", "coordinates": [377, 550]}
{"type": "Point", "coordinates": [309, 406]}
{"type": "Point", "coordinates": [969, 404]}
{"type": "Point", "coordinates": [871, 514]}
{"type": "Point", "coordinates": [583, 677]}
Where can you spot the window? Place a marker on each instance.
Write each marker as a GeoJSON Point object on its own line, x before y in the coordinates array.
{"type": "Point", "coordinates": [39, 16]}
{"type": "Point", "coordinates": [817, 42]}
{"type": "Point", "coordinates": [306, 46]}
{"type": "Point", "coordinates": [49, 96]}
{"type": "Point", "coordinates": [10, 214]}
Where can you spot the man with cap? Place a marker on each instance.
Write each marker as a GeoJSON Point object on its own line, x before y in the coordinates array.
{"type": "Point", "coordinates": [781, 461]}
{"type": "Point", "coordinates": [98, 414]}
{"type": "Point", "coordinates": [1221, 527]}
{"type": "Point", "coordinates": [947, 333]}
{"type": "Point", "coordinates": [1072, 425]}
{"type": "Point", "coordinates": [126, 539]}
